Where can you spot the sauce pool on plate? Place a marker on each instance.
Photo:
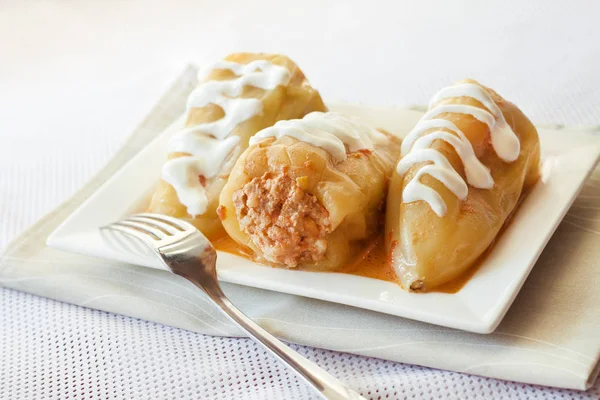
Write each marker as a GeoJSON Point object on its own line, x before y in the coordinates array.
{"type": "Point", "coordinates": [370, 263]}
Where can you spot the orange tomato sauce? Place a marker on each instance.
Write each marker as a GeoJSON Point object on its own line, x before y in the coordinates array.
{"type": "Point", "coordinates": [372, 261]}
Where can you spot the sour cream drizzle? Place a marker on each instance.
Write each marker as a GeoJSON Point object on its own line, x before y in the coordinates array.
{"type": "Point", "coordinates": [416, 147]}
{"type": "Point", "coordinates": [331, 131]}
{"type": "Point", "coordinates": [209, 143]}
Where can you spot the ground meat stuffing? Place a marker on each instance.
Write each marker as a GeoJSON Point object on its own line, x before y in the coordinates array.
{"type": "Point", "coordinates": [286, 223]}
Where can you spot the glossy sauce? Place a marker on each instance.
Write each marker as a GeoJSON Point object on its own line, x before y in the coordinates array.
{"type": "Point", "coordinates": [372, 262]}
{"type": "Point", "coordinates": [228, 245]}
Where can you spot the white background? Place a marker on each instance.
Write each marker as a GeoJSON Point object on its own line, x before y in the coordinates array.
{"type": "Point", "coordinates": [77, 76]}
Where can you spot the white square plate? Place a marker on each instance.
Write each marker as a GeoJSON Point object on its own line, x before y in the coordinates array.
{"type": "Point", "coordinates": [568, 158]}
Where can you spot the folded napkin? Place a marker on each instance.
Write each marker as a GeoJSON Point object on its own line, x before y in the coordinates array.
{"type": "Point", "coordinates": [550, 336]}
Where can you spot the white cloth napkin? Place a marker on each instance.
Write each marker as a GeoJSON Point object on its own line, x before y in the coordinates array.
{"type": "Point", "coordinates": [551, 335]}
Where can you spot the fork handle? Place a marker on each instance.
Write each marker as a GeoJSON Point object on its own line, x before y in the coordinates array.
{"type": "Point", "coordinates": [328, 386]}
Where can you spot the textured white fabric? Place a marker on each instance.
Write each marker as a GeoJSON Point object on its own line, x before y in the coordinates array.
{"type": "Point", "coordinates": [76, 77]}
{"type": "Point", "coordinates": [52, 350]}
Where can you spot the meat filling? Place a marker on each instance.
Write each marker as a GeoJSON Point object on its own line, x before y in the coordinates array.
{"type": "Point", "coordinates": [286, 223]}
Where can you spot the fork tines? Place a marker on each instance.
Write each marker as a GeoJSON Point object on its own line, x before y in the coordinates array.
{"type": "Point", "coordinates": [146, 226]}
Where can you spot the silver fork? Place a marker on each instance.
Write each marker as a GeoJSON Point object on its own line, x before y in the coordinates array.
{"type": "Point", "coordinates": [188, 253]}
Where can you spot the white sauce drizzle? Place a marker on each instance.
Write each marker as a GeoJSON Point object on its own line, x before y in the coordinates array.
{"type": "Point", "coordinates": [209, 143]}
{"type": "Point", "coordinates": [331, 131]}
{"type": "Point", "coordinates": [415, 147]}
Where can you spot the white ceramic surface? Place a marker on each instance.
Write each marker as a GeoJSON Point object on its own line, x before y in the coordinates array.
{"type": "Point", "coordinates": [568, 158]}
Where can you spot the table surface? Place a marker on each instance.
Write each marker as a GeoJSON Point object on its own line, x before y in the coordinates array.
{"type": "Point", "coordinates": [77, 77]}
